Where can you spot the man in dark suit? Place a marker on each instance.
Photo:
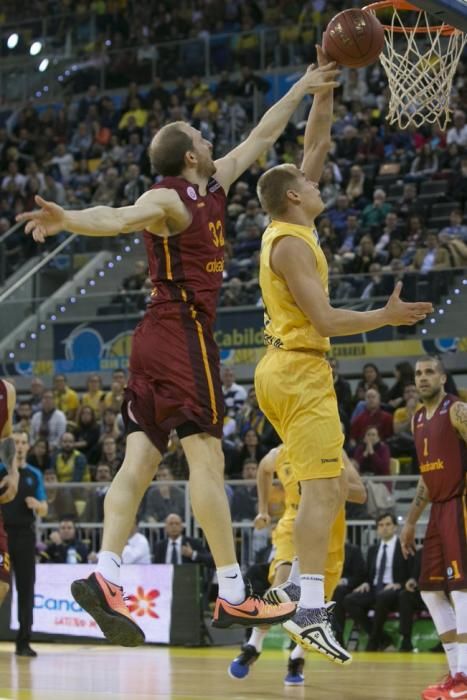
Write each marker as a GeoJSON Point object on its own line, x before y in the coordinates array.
{"type": "Point", "coordinates": [353, 574]}
{"type": "Point", "coordinates": [387, 573]}
{"type": "Point", "coordinates": [176, 548]}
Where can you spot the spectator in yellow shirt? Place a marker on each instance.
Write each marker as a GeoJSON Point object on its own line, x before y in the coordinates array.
{"type": "Point", "coordinates": [206, 101]}
{"type": "Point", "coordinates": [114, 398]}
{"type": "Point", "coordinates": [66, 399]}
{"type": "Point", "coordinates": [402, 417]}
{"type": "Point", "coordinates": [94, 395]}
{"type": "Point", "coordinates": [136, 110]}
{"type": "Point", "coordinates": [70, 464]}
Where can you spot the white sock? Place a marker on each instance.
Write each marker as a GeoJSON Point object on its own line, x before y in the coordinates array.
{"type": "Point", "coordinates": [462, 658]}
{"type": "Point", "coordinates": [450, 649]}
{"type": "Point", "coordinates": [231, 584]}
{"type": "Point", "coordinates": [108, 565]}
{"type": "Point", "coordinates": [257, 638]}
{"type": "Point", "coordinates": [297, 653]}
{"type": "Point", "coordinates": [311, 591]}
{"type": "Point", "coordinates": [294, 576]}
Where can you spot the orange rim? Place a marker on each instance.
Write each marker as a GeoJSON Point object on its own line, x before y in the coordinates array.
{"type": "Point", "coordinates": [445, 29]}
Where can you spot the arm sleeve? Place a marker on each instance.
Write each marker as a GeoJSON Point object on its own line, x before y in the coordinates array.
{"type": "Point", "coordinates": [40, 486]}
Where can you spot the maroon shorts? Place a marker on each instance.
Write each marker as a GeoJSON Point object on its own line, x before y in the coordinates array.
{"type": "Point", "coordinates": [174, 376]}
{"type": "Point", "coordinates": [4, 555]}
{"type": "Point", "coordinates": [444, 555]}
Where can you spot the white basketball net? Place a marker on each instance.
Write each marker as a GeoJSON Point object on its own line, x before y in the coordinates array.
{"type": "Point", "coordinates": [420, 68]}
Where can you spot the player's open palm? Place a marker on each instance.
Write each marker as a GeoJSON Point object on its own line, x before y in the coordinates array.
{"type": "Point", "coordinates": [401, 313]}
{"type": "Point", "coordinates": [321, 78]}
{"type": "Point", "coordinates": [46, 221]}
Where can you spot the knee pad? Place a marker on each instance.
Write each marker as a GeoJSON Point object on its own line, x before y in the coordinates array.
{"type": "Point", "coordinates": [459, 598]}
{"type": "Point", "coordinates": [440, 610]}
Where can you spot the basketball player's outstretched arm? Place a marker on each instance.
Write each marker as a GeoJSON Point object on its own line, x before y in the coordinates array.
{"type": "Point", "coordinates": [264, 478]}
{"type": "Point", "coordinates": [294, 261]}
{"type": "Point", "coordinates": [273, 123]}
{"type": "Point", "coordinates": [317, 142]}
{"type": "Point", "coordinates": [458, 416]}
{"type": "Point", "coordinates": [151, 211]}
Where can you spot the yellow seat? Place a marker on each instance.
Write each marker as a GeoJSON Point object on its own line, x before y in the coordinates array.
{"type": "Point", "coordinates": [394, 466]}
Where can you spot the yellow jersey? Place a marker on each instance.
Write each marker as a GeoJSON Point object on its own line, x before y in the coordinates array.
{"type": "Point", "coordinates": [285, 325]}
{"type": "Point", "coordinates": [285, 475]}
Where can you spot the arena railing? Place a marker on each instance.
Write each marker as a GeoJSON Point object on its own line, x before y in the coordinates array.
{"type": "Point", "coordinates": [71, 71]}
{"type": "Point", "coordinates": [248, 540]}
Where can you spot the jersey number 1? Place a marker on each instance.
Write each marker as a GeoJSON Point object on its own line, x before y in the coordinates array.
{"type": "Point", "coordinates": [425, 447]}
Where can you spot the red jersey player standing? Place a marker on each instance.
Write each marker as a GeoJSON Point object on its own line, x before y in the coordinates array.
{"type": "Point", "coordinates": [9, 484]}
{"type": "Point", "coordinates": [440, 433]}
{"type": "Point", "coordinates": [174, 365]}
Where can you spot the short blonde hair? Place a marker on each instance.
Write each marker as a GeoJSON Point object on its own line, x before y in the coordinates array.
{"type": "Point", "coordinates": [273, 185]}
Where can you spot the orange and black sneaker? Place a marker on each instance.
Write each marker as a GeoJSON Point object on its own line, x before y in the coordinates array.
{"type": "Point", "coordinates": [104, 601]}
{"type": "Point", "coordinates": [252, 612]}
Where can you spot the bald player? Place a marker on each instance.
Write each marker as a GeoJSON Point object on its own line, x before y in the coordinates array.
{"type": "Point", "coordinates": [293, 380]}
{"type": "Point", "coordinates": [174, 366]}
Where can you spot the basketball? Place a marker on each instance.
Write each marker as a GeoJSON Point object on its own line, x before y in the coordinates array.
{"type": "Point", "coordinates": [354, 38]}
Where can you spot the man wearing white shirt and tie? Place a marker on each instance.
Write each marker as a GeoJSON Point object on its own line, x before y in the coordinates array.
{"type": "Point", "coordinates": [387, 572]}
{"type": "Point", "coordinates": [177, 548]}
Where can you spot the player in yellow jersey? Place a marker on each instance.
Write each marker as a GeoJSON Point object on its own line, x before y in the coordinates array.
{"type": "Point", "coordinates": [293, 380]}
{"type": "Point", "coordinates": [276, 461]}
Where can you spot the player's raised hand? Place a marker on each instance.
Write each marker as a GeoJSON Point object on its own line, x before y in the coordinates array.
{"type": "Point", "coordinates": [261, 521]}
{"type": "Point", "coordinates": [46, 221]}
{"type": "Point", "coordinates": [407, 540]}
{"type": "Point", "coordinates": [401, 313]}
{"type": "Point", "coordinates": [319, 79]}
{"type": "Point", "coordinates": [323, 60]}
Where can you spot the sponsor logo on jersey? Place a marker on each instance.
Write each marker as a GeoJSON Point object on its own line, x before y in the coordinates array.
{"type": "Point", "coordinates": [213, 186]}
{"type": "Point", "coordinates": [215, 266]}
{"type": "Point", "coordinates": [329, 461]}
{"type": "Point", "coordinates": [191, 192]}
{"type": "Point", "coordinates": [432, 466]}
{"type": "Point", "coordinates": [445, 407]}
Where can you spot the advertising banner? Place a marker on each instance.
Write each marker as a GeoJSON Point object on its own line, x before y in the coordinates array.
{"type": "Point", "coordinates": [148, 588]}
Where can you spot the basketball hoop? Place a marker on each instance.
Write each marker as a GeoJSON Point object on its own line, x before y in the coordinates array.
{"type": "Point", "coordinates": [420, 61]}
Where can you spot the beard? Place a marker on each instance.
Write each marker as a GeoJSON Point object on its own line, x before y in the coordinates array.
{"type": "Point", "coordinates": [429, 394]}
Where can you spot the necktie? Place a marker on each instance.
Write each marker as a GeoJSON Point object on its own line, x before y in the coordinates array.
{"type": "Point", "coordinates": [382, 569]}
{"type": "Point", "coordinates": [174, 556]}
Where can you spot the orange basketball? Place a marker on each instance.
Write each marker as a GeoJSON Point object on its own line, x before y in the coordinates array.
{"type": "Point", "coordinates": [354, 38]}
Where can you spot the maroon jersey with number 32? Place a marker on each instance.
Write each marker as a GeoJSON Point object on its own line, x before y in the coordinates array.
{"type": "Point", "coordinates": [442, 454]}
{"type": "Point", "coordinates": [188, 267]}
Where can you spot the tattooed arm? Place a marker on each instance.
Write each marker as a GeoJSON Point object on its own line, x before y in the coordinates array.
{"type": "Point", "coordinates": [418, 505]}
{"type": "Point", "coordinates": [458, 416]}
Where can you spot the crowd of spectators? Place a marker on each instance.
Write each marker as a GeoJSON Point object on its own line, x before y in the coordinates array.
{"type": "Point", "coordinates": [394, 200]}
{"type": "Point", "coordinates": [79, 437]}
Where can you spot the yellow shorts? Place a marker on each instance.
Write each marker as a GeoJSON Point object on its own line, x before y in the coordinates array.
{"type": "Point", "coordinates": [282, 540]}
{"type": "Point", "coordinates": [296, 392]}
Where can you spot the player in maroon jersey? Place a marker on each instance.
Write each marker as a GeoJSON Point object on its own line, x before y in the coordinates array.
{"type": "Point", "coordinates": [440, 433]}
{"type": "Point", "coordinates": [174, 363]}
{"type": "Point", "coordinates": [9, 484]}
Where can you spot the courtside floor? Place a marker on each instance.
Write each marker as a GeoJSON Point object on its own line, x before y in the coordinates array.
{"type": "Point", "coordinates": [106, 673]}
